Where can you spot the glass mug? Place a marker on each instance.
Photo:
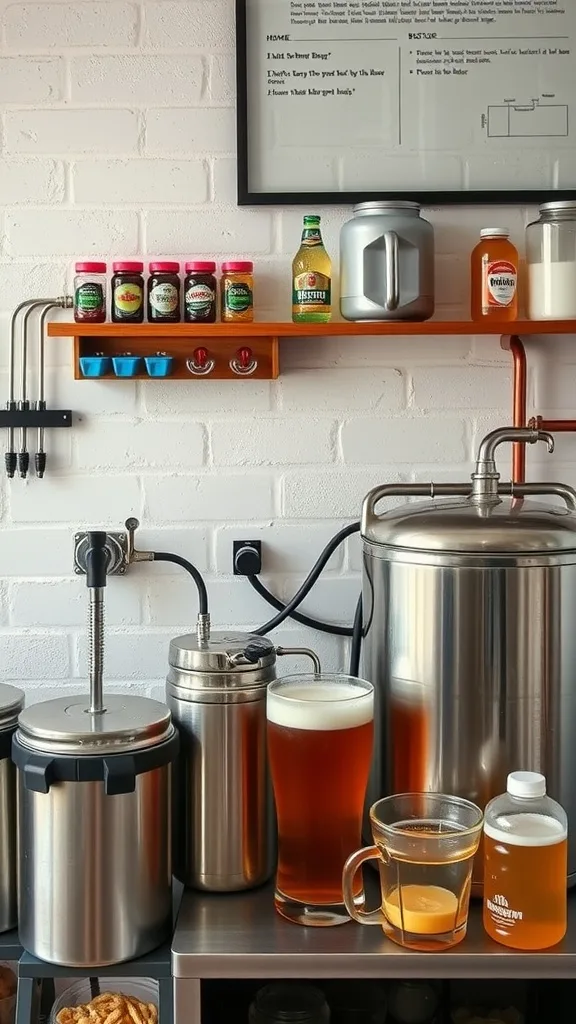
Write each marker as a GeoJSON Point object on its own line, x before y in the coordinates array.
{"type": "Point", "coordinates": [425, 845]}
{"type": "Point", "coordinates": [320, 732]}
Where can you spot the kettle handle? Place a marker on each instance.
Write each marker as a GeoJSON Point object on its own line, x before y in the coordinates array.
{"type": "Point", "coordinates": [392, 282]}
{"type": "Point", "coordinates": [568, 494]}
{"type": "Point", "coordinates": [430, 490]}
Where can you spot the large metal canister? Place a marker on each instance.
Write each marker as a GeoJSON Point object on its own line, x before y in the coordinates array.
{"type": "Point", "coordinates": [224, 823]}
{"type": "Point", "coordinates": [11, 704]}
{"type": "Point", "coordinates": [94, 850]}
{"type": "Point", "coordinates": [470, 636]}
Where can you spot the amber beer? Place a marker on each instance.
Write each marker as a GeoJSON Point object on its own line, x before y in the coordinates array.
{"type": "Point", "coordinates": [320, 731]}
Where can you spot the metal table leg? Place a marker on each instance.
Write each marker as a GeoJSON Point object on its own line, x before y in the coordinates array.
{"type": "Point", "coordinates": [187, 1001]}
{"type": "Point", "coordinates": [27, 1001]}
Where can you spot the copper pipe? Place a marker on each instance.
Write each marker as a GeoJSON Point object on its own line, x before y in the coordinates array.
{"type": "Point", "coordinates": [554, 426]}
{"type": "Point", "coordinates": [513, 344]}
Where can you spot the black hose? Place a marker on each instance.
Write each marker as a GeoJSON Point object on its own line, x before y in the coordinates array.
{"type": "Point", "coordinates": [310, 579]}
{"type": "Point", "coordinates": [306, 620]}
{"type": "Point", "coordinates": [164, 556]}
{"type": "Point", "coordinates": [356, 647]}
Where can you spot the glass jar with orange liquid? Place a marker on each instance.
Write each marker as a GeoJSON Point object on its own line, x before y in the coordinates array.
{"type": "Point", "coordinates": [525, 865]}
{"type": "Point", "coordinates": [494, 280]}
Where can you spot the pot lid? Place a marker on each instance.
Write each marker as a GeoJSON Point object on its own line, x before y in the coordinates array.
{"type": "Point", "coordinates": [11, 704]}
{"type": "Point", "coordinates": [462, 525]}
{"type": "Point", "coordinates": [66, 726]}
{"type": "Point", "coordinates": [223, 652]}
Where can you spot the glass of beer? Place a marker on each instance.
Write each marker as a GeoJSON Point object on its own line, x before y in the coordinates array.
{"type": "Point", "coordinates": [424, 844]}
{"type": "Point", "coordinates": [320, 747]}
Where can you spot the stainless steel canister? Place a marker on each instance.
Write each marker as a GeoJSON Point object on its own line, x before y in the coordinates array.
{"type": "Point", "coordinates": [470, 638]}
{"type": "Point", "coordinates": [225, 835]}
{"type": "Point", "coordinates": [11, 704]}
{"type": "Point", "coordinates": [94, 824]}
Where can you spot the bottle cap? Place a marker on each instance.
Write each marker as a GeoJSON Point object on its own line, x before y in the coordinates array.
{"type": "Point", "coordinates": [91, 268]}
{"type": "Point", "coordinates": [238, 267]}
{"type": "Point", "coordinates": [530, 785]}
{"type": "Point", "coordinates": [128, 267]}
{"type": "Point", "coordinates": [495, 233]}
{"type": "Point", "coordinates": [164, 268]}
{"type": "Point", "coordinates": [312, 217]}
{"type": "Point", "coordinates": [200, 268]}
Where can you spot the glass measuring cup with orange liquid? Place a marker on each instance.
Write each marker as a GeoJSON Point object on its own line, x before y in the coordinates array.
{"type": "Point", "coordinates": [525, 865]}
{"type": "Point", "coordinates": [424, 845]}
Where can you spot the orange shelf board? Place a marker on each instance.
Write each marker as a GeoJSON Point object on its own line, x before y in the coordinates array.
{"type": "Point", "coordinates": [337, 328]}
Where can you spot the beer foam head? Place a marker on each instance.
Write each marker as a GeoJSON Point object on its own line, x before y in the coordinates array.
{"type": "Point", "coordinates": [526, 829]}
{"type": "Point", "coordinates": [321, 704]}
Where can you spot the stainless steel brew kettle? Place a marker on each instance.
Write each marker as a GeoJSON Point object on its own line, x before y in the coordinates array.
{"type": "Point", "coordinates": [470, 635]}
{"type": "Point", "coordinates": [224, 827]}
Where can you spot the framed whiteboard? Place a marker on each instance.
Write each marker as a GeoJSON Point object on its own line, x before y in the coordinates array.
{"type": "Point", "coordinates": [440, 101]}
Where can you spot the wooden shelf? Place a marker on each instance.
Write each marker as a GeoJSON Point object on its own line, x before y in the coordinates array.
{"type": "Point", "coordinates": [222, 343]}
{"type": "Point", "coordinates": [336, 328]}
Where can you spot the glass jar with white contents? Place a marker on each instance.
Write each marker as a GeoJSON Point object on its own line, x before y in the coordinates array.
{"type": "Point", "coordinates": [551, 262]}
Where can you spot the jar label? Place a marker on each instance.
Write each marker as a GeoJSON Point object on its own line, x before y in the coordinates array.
{"type": "Point", "coordinates": [238, 298]}
{"type": "Point", "coordinates": [199, 299]}
{"type": "Point", "coordinates": [89, 298]}
{"type": "Point", "coordinates": [128, 298]}
{"type": "Point", "coordinates": [311, 289]}
{"type": "Point", "coordinates": [500, 282]}
{"type": "Point", "coordinates": [164, 298]}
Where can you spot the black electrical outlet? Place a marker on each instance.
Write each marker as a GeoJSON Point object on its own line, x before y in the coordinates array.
{"type": "Point", "coordinates": [247, 557]}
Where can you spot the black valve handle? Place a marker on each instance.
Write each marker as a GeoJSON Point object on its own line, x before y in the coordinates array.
{"type": "Point", "coordinates": [96, 559]}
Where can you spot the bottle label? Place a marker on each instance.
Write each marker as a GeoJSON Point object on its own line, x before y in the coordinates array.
{"type": "Point", "coordinates": [164, 298]}
{"type": "Point", "coordinates": [500, 280]}
{"type": "Point", "coordinates": [238, 298]}
{"type": "Point", "coordinates": [89, 298]}
{"type": "Point", "coordinates": [311, 237]}
{"type": "Point", "coordinates": [501, 912]}
{"type": "Point", "coordinates": [128, 299]}
{"type": "Point", "coordinates": [199, 300]}
{"type": "Point", "coordinates": [312, 289]}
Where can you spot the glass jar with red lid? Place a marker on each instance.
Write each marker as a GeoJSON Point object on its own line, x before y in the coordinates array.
{"type": "Point", "coordinates": [90, 293]}
{"type": "Point", "coordinates": [200, 293]}
{"type": "Point", "coordinates": [164, 293]}
{"type": "Point", "coordinates": [127, 293]}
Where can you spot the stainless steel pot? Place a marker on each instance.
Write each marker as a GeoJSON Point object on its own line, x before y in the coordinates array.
{"type": "Point", "coordinates": [11, 704]}
{"type": "Point", "coordinates": [470, 638]}
{"type": "Point", "coordinates": [224, 828]}
{"type": "Point", "coordinates": [94, 851]}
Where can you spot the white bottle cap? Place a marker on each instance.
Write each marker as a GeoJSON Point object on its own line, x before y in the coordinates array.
{"type": "Point", "coordinates": [494, 233]}
{"type": "Point", "coordinates": [526, 784]}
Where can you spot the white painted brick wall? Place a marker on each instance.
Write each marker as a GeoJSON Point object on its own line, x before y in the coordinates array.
{"type": "Point", "coordinates": [117, 138]}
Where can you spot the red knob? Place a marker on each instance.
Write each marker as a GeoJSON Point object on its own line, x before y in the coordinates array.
{"type": "Point", "coordinates": [244, 357]}
{"type": "Point", "coordinates": [201, 356]}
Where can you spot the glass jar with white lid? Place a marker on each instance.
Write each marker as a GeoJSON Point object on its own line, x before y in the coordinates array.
{"type": "Point", "coordinates": [551, 262]}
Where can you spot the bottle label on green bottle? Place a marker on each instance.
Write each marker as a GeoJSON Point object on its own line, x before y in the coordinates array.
{"type": "Point", "coordinates": [312, 290]}
{"type": "Point", "coordinates": [311, 237]}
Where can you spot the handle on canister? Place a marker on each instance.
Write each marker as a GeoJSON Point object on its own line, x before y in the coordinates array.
{"type": "Point", "coordinates": [392, 270]}
{"type": "Point", "coordinates": [354, 904]}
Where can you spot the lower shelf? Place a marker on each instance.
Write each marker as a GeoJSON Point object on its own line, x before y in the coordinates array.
{"type": "Point", "coordinates": [197, 358]}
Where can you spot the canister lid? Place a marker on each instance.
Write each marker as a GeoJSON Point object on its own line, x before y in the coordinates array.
{"type": "Point", "coordinates": [460, 525]}
{"type": "Point", "coordinates": [223, 652]}
{"type": "Point", "coordinates": [66, 726]}
{"type": "Point", "coordinates": [559, 206]}
{"type": "Point", "coordinates": [11, 704]}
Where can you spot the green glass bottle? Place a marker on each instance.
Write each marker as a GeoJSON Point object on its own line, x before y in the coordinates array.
{"type": "Point", "coordinates": [311, 277]}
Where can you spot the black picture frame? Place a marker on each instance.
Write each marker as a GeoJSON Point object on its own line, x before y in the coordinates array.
{"type": "Point", "coordinates": [248, 197]}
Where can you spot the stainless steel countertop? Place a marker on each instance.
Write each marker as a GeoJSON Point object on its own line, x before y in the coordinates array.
{"type": "Point", "coordinates": [241, 936]}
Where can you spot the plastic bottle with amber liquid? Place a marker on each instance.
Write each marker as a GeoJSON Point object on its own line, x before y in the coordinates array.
{"type": "Point", "coordinates": [525, 865]}
{"type": "Point", "coordinates": [494, 276]}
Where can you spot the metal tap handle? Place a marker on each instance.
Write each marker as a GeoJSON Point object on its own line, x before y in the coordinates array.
{"type": "Point", "coordinates": [283, 652]}
{"type": "Point", "coordinates": [96, 559]}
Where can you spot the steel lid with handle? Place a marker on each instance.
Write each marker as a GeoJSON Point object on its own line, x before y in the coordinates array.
{"type": "Point", "coordinates": [11, 704]}
{"type": "Point", "coordinates": [482, 518]}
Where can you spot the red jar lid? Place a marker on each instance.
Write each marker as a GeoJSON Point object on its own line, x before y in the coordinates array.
{"type": "Point", "coordinates": [164, 268]}
{"type": "Point", "coordinates": [236, 267]}
{"type": "Point", "coordinates": [200, 268]}
{"type": "Point", "coordinates": [91, 268]}
{"type": "Point", "coordinates": [128, 268]}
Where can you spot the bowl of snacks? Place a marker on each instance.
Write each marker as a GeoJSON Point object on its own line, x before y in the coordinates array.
{"type": "Point", "coordinates": [118, 1001]}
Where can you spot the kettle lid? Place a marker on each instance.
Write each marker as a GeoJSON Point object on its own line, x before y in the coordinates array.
{"type": "Point", "coordinates": [65, 725]}
{"type": "Point", "coordinates": [11, 704]}
{"type": "Point", "coordinates": [222, 652]}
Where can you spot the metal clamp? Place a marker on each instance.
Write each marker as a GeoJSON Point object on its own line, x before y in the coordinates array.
{"type": "Point", "coordinates": [116, 547]}
{"type": "Point", "coordinates": [244, 363]}
{"type": "Point", "coordinates": [201, 363]}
